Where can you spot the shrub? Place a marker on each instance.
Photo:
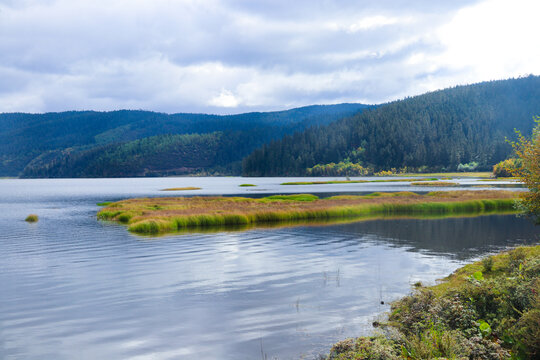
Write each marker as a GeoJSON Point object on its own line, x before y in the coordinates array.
{"type": "Point", "coordinates": [467, 167]}
{"type": "Point", "coordinates": [506, 168]}
{"type": "Point", "coordinates": [487, 263]}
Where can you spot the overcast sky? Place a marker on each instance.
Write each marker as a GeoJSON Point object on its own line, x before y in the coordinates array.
{"type": "Point", "coordinates": [232, 56]}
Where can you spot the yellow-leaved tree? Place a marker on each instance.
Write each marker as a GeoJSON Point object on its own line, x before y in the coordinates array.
{"type": "Point", "coordinates": [528, 151]}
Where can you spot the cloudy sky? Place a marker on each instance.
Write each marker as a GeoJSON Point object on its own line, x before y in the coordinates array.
{"type": "Point", "coordinates": [230, 56]}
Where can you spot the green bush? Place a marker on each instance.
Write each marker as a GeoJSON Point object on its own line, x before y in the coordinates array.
{"type": "Point", "coordinates": [471, 315]}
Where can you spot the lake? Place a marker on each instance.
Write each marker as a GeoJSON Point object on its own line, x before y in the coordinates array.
{"type": "Point", "coordinates": [75, 287]}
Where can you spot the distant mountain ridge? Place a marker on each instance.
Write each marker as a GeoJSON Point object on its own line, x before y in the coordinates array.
{"type": "Point", "coordinates": [434, 131]}
{"type": "Point", "coordinates": [89, 143]}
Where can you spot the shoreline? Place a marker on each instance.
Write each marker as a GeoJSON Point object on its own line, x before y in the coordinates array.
{"type": "Point", "coordinates": [488, 309]}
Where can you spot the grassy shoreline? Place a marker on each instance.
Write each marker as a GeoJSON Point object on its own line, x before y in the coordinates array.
{"type": "Point", "coordinates": [163, 215]}
{"type": "Point", "coordinates": [355, 181]}
{"type": "Point", "coordinates": [489, 309]}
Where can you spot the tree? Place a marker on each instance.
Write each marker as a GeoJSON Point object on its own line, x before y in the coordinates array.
{"type": "Point", "coordinates": [528, 151]}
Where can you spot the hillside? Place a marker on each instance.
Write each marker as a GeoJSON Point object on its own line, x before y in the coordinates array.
{"type": "Point", "coordinates": [434, 131]}
{"type": "Point", "coordinates": [67, 143]}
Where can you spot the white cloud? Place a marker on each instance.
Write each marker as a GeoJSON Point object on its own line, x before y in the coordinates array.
{"type": "Point", "coordinates": [492, 40]}
{"type": "Point", "coordinates": [236, 55]}
{"type": "Point", "coordinates": [377, 21]}
{"type": "Point", "coordinates": [225, 99]}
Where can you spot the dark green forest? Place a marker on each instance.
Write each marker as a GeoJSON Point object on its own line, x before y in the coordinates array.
{"type": "Point", "coordinates": [143, 143]}
{"type": "Point", "coordinates": [435, 131]}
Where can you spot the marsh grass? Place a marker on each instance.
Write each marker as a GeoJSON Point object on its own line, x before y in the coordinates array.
{"type": "Point", "coordinates": [104, 203]}
{"type": "Point", "coordinates": [182, 188]}
{"type": "Point", "coordinates": [481, 174]}
{"type": "Point", "coordinates": [162, 215]}
{"type": "Point", "coordinates": [246, 185]}
{"type": "Point", "coordinates": [32, 218]}
{"type": "Point", "coordinates": [434, 183]}
{"type": "Point", "coordinates": [353, 181]}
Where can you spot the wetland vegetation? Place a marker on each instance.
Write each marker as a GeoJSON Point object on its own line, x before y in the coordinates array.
{"type": "Point", "coordinates": [486, 310]}
{"type": "Point", "coordinates": [434, 183]}
{"type": "Point", "coordinates": [185, 188]}
{"type": "Point", "coordinates": [32, 218]}
{"type": "Point", "coordinates": [353, 181]}
{"type": "Point", "coordinates": [169, 214]}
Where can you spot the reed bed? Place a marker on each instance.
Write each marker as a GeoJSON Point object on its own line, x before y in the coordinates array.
{"type": "Point", "coordinates": [182, 188]}
{"type": "Point", "coordinates": [161, 215]}
{"type": "Point", "coordinates": [434, 183]}
{"type": "Point", "coordinates": [353, 181]}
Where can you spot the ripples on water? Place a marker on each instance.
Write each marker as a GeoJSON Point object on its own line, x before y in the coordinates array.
{"type": "Point", "coordinates": [73, 287]}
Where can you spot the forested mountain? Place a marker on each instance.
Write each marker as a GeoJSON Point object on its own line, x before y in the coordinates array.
{"type": "Point", "coordinates": [434, 131]}
{"type": "Point", "coordinates": [89, 143]}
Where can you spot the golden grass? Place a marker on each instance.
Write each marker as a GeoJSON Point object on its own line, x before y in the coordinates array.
{"type": "Point", "coordinates": [182, 188]}
{"type": "Point", "coordinates": [160, 215]}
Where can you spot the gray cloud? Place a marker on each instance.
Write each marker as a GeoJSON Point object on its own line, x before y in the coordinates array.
{"type": "Point", "coordinates": [228, 56]}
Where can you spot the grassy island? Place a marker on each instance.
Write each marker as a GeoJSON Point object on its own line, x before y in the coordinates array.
{"type": "Point", "coordinates": [32, 218]}
{"type": "Point", "coordinates": [486, 310]}
{"type": "Point", "coordinates": [353, 181]}
{"type": "Point", "coordinates": [169, 214]}
{"type": "Point", "coordinates": [435, 183]}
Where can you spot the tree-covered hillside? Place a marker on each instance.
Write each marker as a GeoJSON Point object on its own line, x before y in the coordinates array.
{"type": "Point", "coordinates": [44, 142]}
{"type": "Point", "coordinates": [436, 131]}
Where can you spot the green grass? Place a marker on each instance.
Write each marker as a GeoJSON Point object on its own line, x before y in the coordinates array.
{"type": "Point", "coordinates": [247, 185]}
{"type": "Point", "coordinates": [31, 218]}
{"type": "Point", "coordinates": [104, 203]}
{"type": "Point", "coordinates": [161, 215]}
{"type": "Point", "coordinates": [489, 309]}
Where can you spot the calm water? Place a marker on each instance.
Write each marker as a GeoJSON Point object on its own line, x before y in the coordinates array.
{"type": "Point", "coordinates": [74, 287]}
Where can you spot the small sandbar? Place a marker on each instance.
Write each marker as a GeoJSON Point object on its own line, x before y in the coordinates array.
{"type": "Point", "coordinates": [353, 181]}
{"type": "Point", "coordinates": [434, 183]}
{"type": "Point", "coordinates": [182, 188]}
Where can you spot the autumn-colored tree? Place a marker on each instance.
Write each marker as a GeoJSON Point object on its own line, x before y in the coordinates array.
{"type": "Point", "coordinates": [528, 150]}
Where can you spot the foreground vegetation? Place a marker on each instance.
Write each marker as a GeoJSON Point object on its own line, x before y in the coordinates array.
{"type": "Point", "coordinates": [169, 214]}
{"type": "Point", "coordinates": [486, 310]}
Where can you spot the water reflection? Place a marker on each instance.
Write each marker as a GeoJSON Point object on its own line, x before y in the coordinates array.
{"type": "Point", "coordinates": [462, 238]}
{"type": "Point", "coordinates": [74, 287]}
